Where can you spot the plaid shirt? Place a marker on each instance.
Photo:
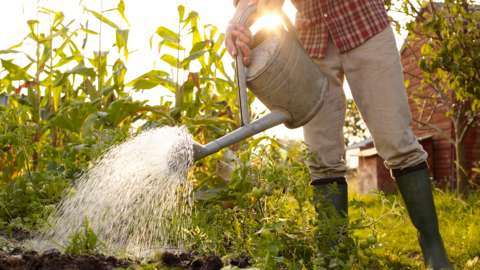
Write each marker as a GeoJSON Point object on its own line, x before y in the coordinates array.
{"type": "Point", "coordinates": [348, 22]}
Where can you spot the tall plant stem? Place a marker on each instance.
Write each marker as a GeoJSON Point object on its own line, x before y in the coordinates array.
{"type": "Point", "coordinates": [100, 71]}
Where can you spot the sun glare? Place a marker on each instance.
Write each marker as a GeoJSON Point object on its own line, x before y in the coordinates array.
{"type": "Point", "coordinates": [269, 21]}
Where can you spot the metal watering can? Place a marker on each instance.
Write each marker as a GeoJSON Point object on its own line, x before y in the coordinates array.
{"type": "Point", "coordinates": [282, 76]}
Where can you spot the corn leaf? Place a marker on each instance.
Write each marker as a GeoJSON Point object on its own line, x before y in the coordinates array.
{"type": "Point", "coordinates": [103, 18]}
{"type": "Point", "coordinates": [121, 10]}
{"type": "Point", "coordinates": [170, 59]}
{"type": "Point", "coordinates": [181, 12]}
{"type": "Point", "coordinates": [168, 34]}
{"type": "Point", "coordinates": [15, 72]}
{"type": "Point", "coordinates": [81, 69]}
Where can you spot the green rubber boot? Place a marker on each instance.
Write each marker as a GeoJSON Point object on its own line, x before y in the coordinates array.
{"type": "Point", "coordinates": [331, 204]}
{"type": "Point", "coordinates": [416, 190]}
{"type": "Point", "coordinates": [331, 192]}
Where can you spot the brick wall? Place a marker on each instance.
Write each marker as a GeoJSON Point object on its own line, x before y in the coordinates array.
{"type": "Point", "coordinates": [428, 111]}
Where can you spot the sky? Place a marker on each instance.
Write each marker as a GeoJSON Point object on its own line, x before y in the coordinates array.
{"type": "Point", "coordinates": [144, 17]}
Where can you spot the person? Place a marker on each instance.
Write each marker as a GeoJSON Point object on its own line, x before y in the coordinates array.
{"type": "Point", "coordinates": [352, 39]}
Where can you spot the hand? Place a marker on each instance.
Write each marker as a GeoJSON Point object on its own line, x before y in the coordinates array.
{"type": "Point", "coordinates": [239, 37]}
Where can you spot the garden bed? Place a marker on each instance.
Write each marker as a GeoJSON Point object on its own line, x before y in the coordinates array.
{"type": "Point", "coordinates": [54, 260]}
{"type": "Point", "coordinates": [18, 259]}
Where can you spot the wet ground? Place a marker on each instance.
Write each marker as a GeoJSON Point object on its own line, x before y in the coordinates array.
{"type": "Point", "coordinates": [195, 262]}
{"type": "Point", "coordinates": [54, 260]}
{"type": "Point", "coordinates": [14, 258]}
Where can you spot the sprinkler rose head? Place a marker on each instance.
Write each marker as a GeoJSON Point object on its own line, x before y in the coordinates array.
{"type": "Point", "coordinates": [181, 156]}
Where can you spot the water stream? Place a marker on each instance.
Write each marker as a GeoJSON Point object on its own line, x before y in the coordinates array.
{"type": "Point", "coordinates": [136, 197]}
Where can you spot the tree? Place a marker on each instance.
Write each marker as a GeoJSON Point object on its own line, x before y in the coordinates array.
{"type": "Point", "coordinates": [449, 61]}
{"type": "Point", "coordinates": [355, 129]}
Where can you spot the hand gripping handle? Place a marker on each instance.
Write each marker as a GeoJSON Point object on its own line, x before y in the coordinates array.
{"type": "Point", "coordinates": [241, 70]}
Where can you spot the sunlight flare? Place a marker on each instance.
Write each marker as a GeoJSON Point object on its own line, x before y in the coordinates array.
{"type": "Point", "coordinates": [269, 21]}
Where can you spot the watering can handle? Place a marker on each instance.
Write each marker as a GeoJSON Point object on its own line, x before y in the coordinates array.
{"type": "Point", "coordinates": [242, 89]}
{"type": "Point", "coordinates": [242, 70]}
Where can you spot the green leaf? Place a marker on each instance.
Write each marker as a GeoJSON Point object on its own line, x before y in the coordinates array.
{"type": "Point", "coordinates": [168, 34]}
{"type": "Point", "coordinates": [119, 71]}
{"type": "Point", "coordinates": [181, 12]}
{"type": "Point", "coordinates": [88, 31]}
{"type": "Point", "coordinates": [8, 51]}
{"type": "Point", "coordinates": [426, 49]}
{"type": "Point", "coordinates": [72, 117]}
{"type": "Point", "coordinates": [199, 46]}
{"type": "Point", "coordinates": [63, 61]}
{"type": "Point", "coordinates": [91, 123]}
{"type": "Point", "coordinates": [16, 46]}
{"type": "Point", "coordinates": [31, 25]}
{"type": "Point", "coordinates": [192, 57]}
{"type": "Point", "coordinates": [173, 45]}
{"type": "Point", "coordinates": [192, 19]}
{"type": "Point", "coordinates": [170, 59]}
{"type": "Point", "coordinates": [81, 69]}
{"type": "Point", "coordinates": [120, 109]}
{"type": "Point", "coordinates": [15, 72]}
{"type": "Point", "coordinates": [218, 44]}
{"type": "Point", "coordinates": [56, 97]}
{"type": "Point", "coordinates": [103, 18]}
{"type": "Point", "coordinates": [121, 40]}
{"type": "Point", "coordinates": [152, 79]}
{"type": "Point", "coordinates": [58, 19]}
{"type": "Point", "coordinates": [121, 10]}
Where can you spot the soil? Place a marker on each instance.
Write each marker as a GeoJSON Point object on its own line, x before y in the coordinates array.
{"type": "Point", "coordinates": [191, 261]}
{"type": "Point", "coordinates": [18, 259]}
{"type": "Point", "coordinates": [54, 260]}
{"type": "Point", "coordinates": [241, 262]}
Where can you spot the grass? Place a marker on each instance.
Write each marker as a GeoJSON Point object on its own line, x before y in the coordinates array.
{"type": "Point", "coordinates": [396, 237]}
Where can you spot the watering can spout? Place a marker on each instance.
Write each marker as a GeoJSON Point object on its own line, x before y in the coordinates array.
{"type": "Point", "coordinates": [274, 118]}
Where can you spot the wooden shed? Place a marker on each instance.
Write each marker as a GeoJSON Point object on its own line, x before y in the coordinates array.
{"type": "Point", "coordinates": [373, 175]}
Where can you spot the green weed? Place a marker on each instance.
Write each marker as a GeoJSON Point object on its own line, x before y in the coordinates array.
{"type": "Point", "coordinates": [84, 242]}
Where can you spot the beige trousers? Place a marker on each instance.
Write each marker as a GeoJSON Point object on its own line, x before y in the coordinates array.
{"type": "Point", "coordinates": [374, 73]}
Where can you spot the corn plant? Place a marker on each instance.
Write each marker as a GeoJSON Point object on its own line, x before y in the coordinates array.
{"type": "Point", "coordinates": [61, 107]}
{"type": "Point", "coordinates": [205, 97]}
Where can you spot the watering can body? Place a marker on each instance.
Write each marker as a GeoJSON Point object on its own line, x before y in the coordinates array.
{"type": "Point", "coordinates": [284, 78]}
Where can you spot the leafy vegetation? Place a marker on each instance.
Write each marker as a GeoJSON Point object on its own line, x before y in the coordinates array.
{"type": "Point", "coordinates": [266, 212]}
{"type": "Point", "coordinates": [61, 108]}
{"type": "Point", "coordinates": [84, 242]}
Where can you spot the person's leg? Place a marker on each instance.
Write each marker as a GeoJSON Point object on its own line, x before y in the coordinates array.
{"type": "Point", "coordinates": [375, 76]}
{"type": "Point", "coordinates": [324, 138]}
